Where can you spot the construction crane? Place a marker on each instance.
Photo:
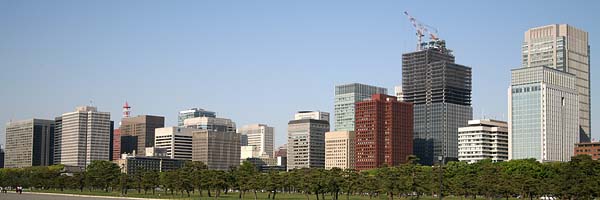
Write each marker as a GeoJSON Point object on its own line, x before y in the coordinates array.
{"type": "Point", "coordinates": [422, 29]}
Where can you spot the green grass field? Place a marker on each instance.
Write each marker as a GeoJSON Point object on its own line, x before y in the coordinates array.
{"type": "Point", "coordinates": [230, 196]}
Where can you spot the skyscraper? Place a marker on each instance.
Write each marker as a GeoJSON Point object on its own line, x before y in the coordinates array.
{"type": "Point", "coordinates": [565, 48]}
{"type": "Point", "coordinates": [193, 112]}
{"type": "Point", "coordinates": [384, 132]}
{"type": "Point", "coordinates": [306, 140]}
{"type": "Point", "coordinates": [177, 141]}
{"type": "Point", "coordinates": [84, 136]}
{"type": "Point", "coordinates": [441, 93]}
{"type": "Point", "coordinates": [143, 128]}
{"type": "Point", "coordinates": [345, 97]}
{"type": "Point", "coordinates": [29, 143]}
{"type": "Point", "coordinates": [218, 150]}
{"type": "Point", "coordinates": [543, 114]}
{"type": "Point", "coordinates": [261, 136]}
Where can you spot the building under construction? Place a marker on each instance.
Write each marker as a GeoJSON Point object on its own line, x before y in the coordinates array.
{"type": "Point", "coordinates": [441, 93]}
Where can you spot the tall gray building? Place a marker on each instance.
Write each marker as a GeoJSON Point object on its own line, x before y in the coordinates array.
{"type": "Point", "coordinates": [306, 142]}
{"type": "Point", "coordinates": [84, 136]}
{"type": "Point", "coordinates": [345, 97]}
{"type": "Point", "coordinates": [29, 143]}
{"type": "Point", "coordinates": [543, 114]}
{"type": "Point", "coordinates": [218, 150]}
{"type": "Point", "coordinates": [142, 127]}
{"type": "Point", "coordinates": [193, 112]}
{"type": "Point", "coordinates": [565, 48]}
{"type": "Point", "coordinates": [441, 93]}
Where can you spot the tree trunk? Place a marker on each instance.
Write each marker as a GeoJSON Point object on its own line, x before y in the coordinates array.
{"type": "Point", "coordinates": [255, 196]}
{"type": "Point", "coordinates": [274, 193]}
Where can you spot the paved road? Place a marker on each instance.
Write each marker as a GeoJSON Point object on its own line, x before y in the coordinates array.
{"type": "Point", "coordinates": [32, 196]}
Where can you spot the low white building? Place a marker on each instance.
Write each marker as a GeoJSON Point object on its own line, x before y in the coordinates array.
{"type": "Point", "coordinates": [483, 139]}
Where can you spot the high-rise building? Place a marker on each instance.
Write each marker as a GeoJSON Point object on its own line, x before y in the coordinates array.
{"type": "Point", "coordinates": [116, 152]}
{"type": "Point", "coordinates": [440, 91]}
{"type": "Point", "coordinates": [543, 114]}
{"type": "Point", "coordinates": [210, 123]}
{"type": "Point", "coordinates": [218, 150]}
{"type": "Point", "coordinates": [306, 140]}
{"type": "Point", "coordinates": [483, 139]}
{"type": "Point", "coordinates": [29, 143]}
{"type": "Point", "coordinates": [565, 48]}
{"type": "Point", "coordinates": [339, 149]}
{"type": "Point", "coordinates": [1, 157]}
{"type": "Point", "coordinates": [177, 141]}
{"type": "Point", "coordinates": [57, 139]}
{"type": "Point", "coordinates": [143, 128]}
{"type": "Point", "coordinates": [345, 98]}
{"type": "Point", "coordinates": [384, 132]}
{"type": "Point", "coordinates": [192, 113]}
{"type": "Point", "coordinates": [588, 148]}
{"type": "Point", "coordinates": [260, 136]}
{"type": "Point", "coordinates": [398, 92]}
{"type": "Point", "coordinates": [84, 136]}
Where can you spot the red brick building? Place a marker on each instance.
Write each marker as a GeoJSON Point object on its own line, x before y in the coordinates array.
{"type": "Point", "coordinates": [588, 148]}
{"type": "Point", "coordinates": [116, 144]}
{"type": "Point", "coordinates": [384, 132]}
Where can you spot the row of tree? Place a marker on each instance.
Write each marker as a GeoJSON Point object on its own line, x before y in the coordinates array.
{"type": "Point", "coordinates": [577, 179]}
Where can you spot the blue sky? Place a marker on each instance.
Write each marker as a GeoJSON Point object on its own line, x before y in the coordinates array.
{"type": "Point", "coordinates": [252, 61]}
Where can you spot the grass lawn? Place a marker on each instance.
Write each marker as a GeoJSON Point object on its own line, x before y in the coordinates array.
{"type": "Point", "coordinates": [230, 196]}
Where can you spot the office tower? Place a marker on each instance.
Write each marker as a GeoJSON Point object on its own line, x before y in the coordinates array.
{"type": "Point", "coordinates": [440, 91]}
{"type": "Point", "coordinates": [399, 93]}
{"type": "Point", "coordinates": [111, 145]}
{"type": "Point", "coordinates": [84, 136]}
{"type": "Point", "coordinates": [260, 136]}
{"type": "Point", "coordinates": [588, 148]}
{"type": "Point", "coordinates": [543, 114]}
{"type": "Point", "coordinates": [565, 48]}
{"type": "Point", "coordinates": [218, 150]}
{"type": "Point", "coordinates": [339, 149]}
{"type": "Point", "coordinates": [1, 157]}
{"type": "Point", "coordinates": [317, 115]}
{"type": "Point", "coordinates": [57, 140]}
{"type": "Point", "coordinates": [143, 127]}
{"type": "Point", "coordinates": [192, 113]}
{"type": "Point", "coordinates": [177, 141]}
{"type": "Point", "coordinates": [345, 98]}
{"type": "Point", "coordinates": [29, 143]}
{"type": "Point", "coordinates": [306, 140]}
{"type": "Point", "coordinates": [384, 132]}
{"type": "Point", "coordinates": [210, 123]}
{"type": "Point", "coordinates": [483, 139]}
{"type": "Point", "coordinates": [116, 152]}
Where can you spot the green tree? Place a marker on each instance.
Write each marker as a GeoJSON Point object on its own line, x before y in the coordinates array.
{"type": "Point", "coordinates": [102, 174]}
{"type": "Point", "coordinates": [150, 180]}
{"type": "Point", "coordinates": [350, 182]}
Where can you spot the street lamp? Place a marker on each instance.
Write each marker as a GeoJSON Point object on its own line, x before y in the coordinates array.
{"type": "Point", "coordinates": [441, 161]}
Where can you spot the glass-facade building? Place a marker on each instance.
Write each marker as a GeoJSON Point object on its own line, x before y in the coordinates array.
{"type": "Point", "coordinates": [543, 114]}
{"type": "Point", "coordinates": [192, 113]}
{"type": "Point", "coordinates": [345, 98]}
{"type": "Point", "coordinates": [441, 93]}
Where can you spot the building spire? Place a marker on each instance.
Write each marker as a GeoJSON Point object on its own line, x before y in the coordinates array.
{"type": "Point", "coordinates": [126, 110]}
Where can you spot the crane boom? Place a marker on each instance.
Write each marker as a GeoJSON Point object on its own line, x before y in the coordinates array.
{"type": "Point", "coordinates": [421, 29]}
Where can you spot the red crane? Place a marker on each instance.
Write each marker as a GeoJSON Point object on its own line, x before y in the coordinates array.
{"type": "Point", "coordinates": [422, 29]}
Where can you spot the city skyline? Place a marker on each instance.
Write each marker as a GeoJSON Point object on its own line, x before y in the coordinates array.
{"type": "Point", "coordinates": [305, 54]}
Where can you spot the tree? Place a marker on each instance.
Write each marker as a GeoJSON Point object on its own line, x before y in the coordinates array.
{"type": "Point", "coordinates": [102, 174]}
{"type": "Point", "coordinates": [150, 180]}
{"type": "Point", "coordinates": [350, 182]}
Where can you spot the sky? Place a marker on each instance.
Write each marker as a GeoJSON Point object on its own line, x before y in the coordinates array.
{"type": "Point", "coordinates": [253, 61]}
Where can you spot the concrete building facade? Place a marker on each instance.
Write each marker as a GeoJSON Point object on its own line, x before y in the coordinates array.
{"type": "Point", "coordinates": [143, 127]}
{"type": "Point", "coordinates": [339, 149]}
{"type": "Point", "coordinates": [588, 148]}
{"type": "Point", "coordinates": [306, 141]}
{"type": "Point", "coordinates": [29, 143]}
{"type": "Point", "coordinates": [218, 150]}
{"type": "Point", "coordinates": [192, 113]}
{"type": "Point", "coordinates": [85, 136]}
{"type": "Point", "coordinates": [483, 139]}
{"type": "Point", "coordinates": [565, 48]}
{"type": "Point", "coordinates": [210, 123]}
{"type": "Point", "coordinates": [440, 90]}
{"type": "Point", "coordinates": [177, 141]}
{"type": "Point", "coordinates": [345, 98]}
{"type": "Point", "coordinates": [384, 132]}
{"type": "Point", "coordinates": [260, 136]}
{"type": "Point", "coordinates": [543, 114]}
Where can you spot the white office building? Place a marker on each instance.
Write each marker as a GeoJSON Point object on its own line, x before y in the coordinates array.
{"type": "Point", "coordinates": [176, 140]}
{"type": "Point", "coordinates": [483, 139]}
{"type": "Point", "coordinates": [84, 136]}
{"type": "Point", "coordinates": [260, 136]}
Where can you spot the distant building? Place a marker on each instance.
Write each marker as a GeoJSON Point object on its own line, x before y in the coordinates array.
{"type": "Point", "coordinates": [306, 140]}
{"type": "Point", "coordinates": [1, 157]}
{"type": "Point", "coordinates": [192, 113]}
{"type": "Point", "coordinates": [345, 97]}
{"type": "Point", "coordinates": [249, 152]}
{"type": "Point", "coordinates": [281, 151]}
{"type": "Point", "coordinates": [543, 114]}
{"type": "Point", "coordinates": [218, 150]}
{"type": "Point", "coordinates": [339, 149]}
{"type": "Point", "coordinates": [565, 48]}
{"type": "Point", "coordinates": [399, 93]}
{"type": "Point", "coordinates": [85, 136]}
{"type": "Point", "coordinates": [29, 143]}
{"type": "Point", "coordinates": [384, 132]}
{"type": "Point", "coordinates": [177, 141]}
{"type": "Point", "coordinates": [483, 139]}
{"type": "Point", "coordinates": [260, 136]}
{"type": "Point", "coordinates": [440, 91]}
{"type": "Point", "coordinates": [588, 148]}
{"type": "Point", "coordinates": [210, 123]}
{"type": "Point", "coordinates": [116, 152]}
{"type": "Point", "coordinates": [156, 152]}
{"type": "Point", "coordinates": [131, 164]}
{"type": "Point", "coordinates": [143, 128]}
